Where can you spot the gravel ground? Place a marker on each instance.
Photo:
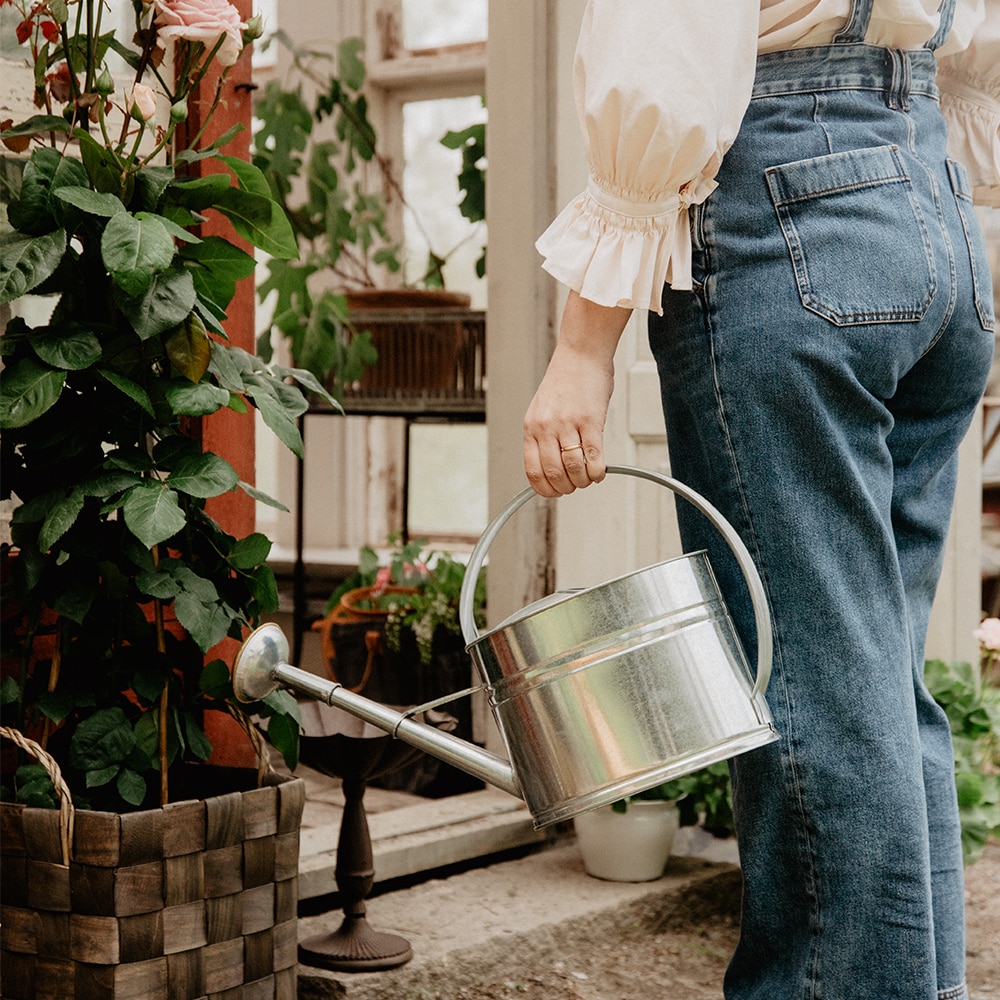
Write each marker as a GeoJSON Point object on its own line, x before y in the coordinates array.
{"type": "Point", "coordinates": [686, 955]}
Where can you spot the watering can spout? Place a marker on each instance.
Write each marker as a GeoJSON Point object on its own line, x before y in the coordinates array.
{"type": "Point", "coordinates": [261, 667]}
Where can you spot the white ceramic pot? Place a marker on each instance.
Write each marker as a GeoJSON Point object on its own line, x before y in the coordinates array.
{"type": "Point", "coordinates": [632, 846]}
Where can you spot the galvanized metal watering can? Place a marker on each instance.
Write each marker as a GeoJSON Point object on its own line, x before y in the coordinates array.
{"type": "Point", "coordinates": [598, 693]}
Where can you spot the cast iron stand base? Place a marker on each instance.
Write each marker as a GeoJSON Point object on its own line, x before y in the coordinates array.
{"type": "Point", "coordinates": [355, 947]}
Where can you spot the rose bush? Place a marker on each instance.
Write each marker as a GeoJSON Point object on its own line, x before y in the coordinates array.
{"type": "Point", "coordinates": [100, 402]}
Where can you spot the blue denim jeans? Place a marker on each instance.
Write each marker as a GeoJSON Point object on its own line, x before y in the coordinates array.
{"type": "Point", "coordinates": [816, 385]}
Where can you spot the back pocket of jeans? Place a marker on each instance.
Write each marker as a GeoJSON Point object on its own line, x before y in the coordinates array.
{"type": "Point", "coordinates": [857, 239]}
{"type": "Point", "coordinates": [982, 284]}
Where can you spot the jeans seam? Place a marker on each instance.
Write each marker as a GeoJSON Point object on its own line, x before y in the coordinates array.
{"type": "Point", "coordinates": [952, 261]}
{"type": "Point", "coordinates": [750, 539]}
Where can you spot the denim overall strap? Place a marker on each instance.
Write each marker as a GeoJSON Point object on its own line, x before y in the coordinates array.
{"type": "Point", "coordinates": [947, 14]}
{"type": "Point", "coordinates": [861, 14]}
{"type": "Point", "coordinates": [857, 25]}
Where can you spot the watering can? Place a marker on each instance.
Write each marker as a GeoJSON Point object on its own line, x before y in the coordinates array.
{"type": "Point", "coordinates": [598, 693]}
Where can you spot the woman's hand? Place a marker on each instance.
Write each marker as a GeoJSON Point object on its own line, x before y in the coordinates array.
{"type": "Point", "coordinates": [564, 425]}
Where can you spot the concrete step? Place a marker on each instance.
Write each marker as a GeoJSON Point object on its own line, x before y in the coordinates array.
{"type": "Point", "coordinates": [494, 920]}
{"type": "Point", "coordinates": [422, 836]}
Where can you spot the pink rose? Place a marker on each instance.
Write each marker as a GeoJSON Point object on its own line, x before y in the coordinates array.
{"type": "Point", "coordinates": [143, 102]}
{"type": "Point", "coordinates": [988, 633]}
{"type": "Point", "coordinates": [201, 21]}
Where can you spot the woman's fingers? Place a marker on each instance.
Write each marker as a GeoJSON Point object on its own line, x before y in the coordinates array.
{"type": "Point", "coordinates": [564, 425]}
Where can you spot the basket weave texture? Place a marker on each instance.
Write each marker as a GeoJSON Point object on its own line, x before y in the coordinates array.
{"type": "Point", "coordinates": [193, 901]}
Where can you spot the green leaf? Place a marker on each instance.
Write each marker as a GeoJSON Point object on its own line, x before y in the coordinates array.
{"type": "Point", "coordinates": [195, 738]}
{"type": "Point", "coordinates": [104, 739]}
{"type": "Point", "coordinates": [150, 184]}
{"type": "Point", "coordinates": [166, 301]}
{"type": "Point", "coordinates": [309, 380]}
{"type": "Point", "coordinates": [206, 475]}
{"type": "Point", "coordinates": [10, 690]}
{"type": "Point", "coordinates": [215, 680]}
{"type": "Point", "coordinates": [27, 390]}
{"type": "Point", "coordinates": [177, 232]}
{"type": "Point", "coordinates": [103, 169]}
{"type": "Point", "coordinates": [261, 221]}
{"type": "Point", "coordinates": [102, 776]}
{"type": "Point", "coordinates": [152, 513]}
{"type": "Point", "coordinates": [37, 125]}
{"type": "Point", "coordinates": [277, 417]}
{"type": "Point", "coordinates": [74, 599]}
{"type": "Point", "coordinates": [217, 267]}
{"type": "Point", "coordinates": [131, 787]}
{"type": "Point", "coordinates": [350, 62]}
{"type": "Point", "coordinates": [26, 261]}
{"type": "Point", "coordinates": [229, 364]}
{"type": "Point", "coordinates": [133, 390]}
{"type": "Point", "coordinates": [61, 518]}
{"type": "Point", "coordinates": [135, 250]}
{"type": "Point", "coordinates": [206, 623]}
{"type": "Point", "coordinates": [250, 552]}
{"type": "Point", "coordinates": [48, 170]}
{"type": "Point", "coordinates": [200, 192]}
{"type": "Point", "coordinates": [261, 497]}
{"type": "Point", "coordinates": [264, 588]}
{"type": "Point", "coordinates": [190, 349]}
{"type": "Point", "coordinates": [283, 735]}
{"type": "Point", "coordinates": [196, 400]}
{"type": "Point", "coordinates": [69, 346]}
{"type": "Point", "coordinates": [249, 177]}
{"type": "Point", "coordinates": [91, 202]}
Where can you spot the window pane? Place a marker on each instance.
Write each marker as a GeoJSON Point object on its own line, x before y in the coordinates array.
{"type": "Point", "coordinates": [430, 186]}
{"type": "Point", "coordinates": [430, 23]}
{"type": "Point", "coordinates": [448, 480]}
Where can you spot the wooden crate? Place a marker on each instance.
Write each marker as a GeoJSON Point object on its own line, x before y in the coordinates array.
{"type": "Point", "coordinates": [194, 901]}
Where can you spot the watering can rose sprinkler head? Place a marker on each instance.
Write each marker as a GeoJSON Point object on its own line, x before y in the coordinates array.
{"type": "Point", "coordinates": [599, 694]}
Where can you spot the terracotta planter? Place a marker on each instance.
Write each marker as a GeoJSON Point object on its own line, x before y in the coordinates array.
{"type": "Point", "coordinates": [632, 846]}
{"type": "Point", "coordinates": [194, 901]}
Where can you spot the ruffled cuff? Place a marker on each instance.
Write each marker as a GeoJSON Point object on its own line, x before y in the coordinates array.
{"type": "Point", "coordinates": [617, 252]}
{"type": "Point", "coordinates": [973, 118]}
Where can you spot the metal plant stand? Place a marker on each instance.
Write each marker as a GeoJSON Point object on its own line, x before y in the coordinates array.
{"type": "Point", "coordinates": [354, 752]}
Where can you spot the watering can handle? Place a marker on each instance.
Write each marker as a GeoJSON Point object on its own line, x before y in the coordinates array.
{"type": "Point", "coordinates": [762, 615]}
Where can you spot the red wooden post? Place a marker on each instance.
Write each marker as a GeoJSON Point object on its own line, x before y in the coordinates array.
{"type": "Point", "coordinates": [226, 433]}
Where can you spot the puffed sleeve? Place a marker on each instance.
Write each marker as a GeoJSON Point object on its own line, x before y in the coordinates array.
{"type": "Point", "coordinates": [661, 87]}
{"type": "Point", "coordinates": [969, 81]}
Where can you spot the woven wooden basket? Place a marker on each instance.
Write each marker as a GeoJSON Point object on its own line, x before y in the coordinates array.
{"type": "Point", "coordinates": [194, 901]}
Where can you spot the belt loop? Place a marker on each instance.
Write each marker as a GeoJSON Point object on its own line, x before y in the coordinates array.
{"type": "Point", "coordinates": [906, 80]}
{"type": "Point", "coordinates": [900, 80]}
{"type": "Point", "coordinates": [893, 72]}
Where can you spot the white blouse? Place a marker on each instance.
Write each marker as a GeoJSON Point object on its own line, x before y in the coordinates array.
{"type": "Point", "coordinates": [661, 89]}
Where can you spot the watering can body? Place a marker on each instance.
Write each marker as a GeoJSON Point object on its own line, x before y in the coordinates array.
{"type": "Point", "coordinates": [598, 693]}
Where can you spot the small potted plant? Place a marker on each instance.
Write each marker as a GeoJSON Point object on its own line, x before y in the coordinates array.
{"type": "Point", "coordinates": [631, 840]}
{"type": "Point", "coordinates": [320, 155]}
{"type": "Point", "coordinates": [392, 633]}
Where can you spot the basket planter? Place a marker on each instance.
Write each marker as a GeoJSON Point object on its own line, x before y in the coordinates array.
{"type": "Point", "coordinates": [632, 846]}
{"type": "Point", "coordinates": [197, 899]}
